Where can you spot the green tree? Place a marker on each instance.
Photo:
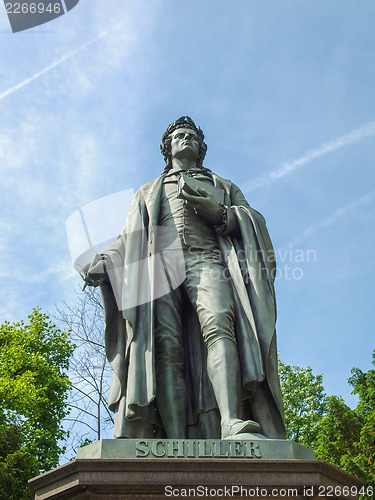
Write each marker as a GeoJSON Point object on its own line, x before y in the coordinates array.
{"type": "Point", "coordinates": [339, 431]}
{"type": "Point", "coordinates": [363, 384]}
{"type": "Point", "coordinates": [33, 394]}
{"type": "Point", "coordinates": [340, 435]}
{"type": "Point", "coordinates": [304, 400]}
{"type": "Point", "coordinates": [347, 437]}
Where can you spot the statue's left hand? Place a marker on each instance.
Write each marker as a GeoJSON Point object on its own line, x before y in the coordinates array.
{"type": "Point", "coordinates": [205, 206]}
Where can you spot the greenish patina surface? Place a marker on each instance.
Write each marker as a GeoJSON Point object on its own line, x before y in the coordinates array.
{"type": "Point", "coordinates": [190, 306]}
{"type": "Point", "coordinates": [253, 448]}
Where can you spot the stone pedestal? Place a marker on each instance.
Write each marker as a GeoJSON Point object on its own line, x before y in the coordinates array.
{"type": "Point", "coordinates": [228, 470]}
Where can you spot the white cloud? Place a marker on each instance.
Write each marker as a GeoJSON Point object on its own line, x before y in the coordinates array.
{"type": "Point", "coordinates": [18, 146]}
{"type": "Point", "coordinates": [360, 133]}
{"type": "Point", "coordinates": [16, 297]}
{"type": "Point", "coordinates": [60, 270]}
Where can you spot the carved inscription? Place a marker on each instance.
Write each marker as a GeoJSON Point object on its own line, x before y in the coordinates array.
{"type": "Point", "coordinates": [196, 448]}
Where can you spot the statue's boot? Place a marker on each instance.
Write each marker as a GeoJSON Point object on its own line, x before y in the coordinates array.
{"type": "Point", "coordinates": [223, 366]}
{"type": "Point", "coordinates": [236, 426]}
{"type": "Point", "coordinates": [171, 400]}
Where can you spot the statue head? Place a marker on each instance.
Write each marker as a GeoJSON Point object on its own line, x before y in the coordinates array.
{"type": "Point", "coordinates": [165, 147]}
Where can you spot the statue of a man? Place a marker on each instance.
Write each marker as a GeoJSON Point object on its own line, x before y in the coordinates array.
{"type": "Point", "coordinates": [197, 360]}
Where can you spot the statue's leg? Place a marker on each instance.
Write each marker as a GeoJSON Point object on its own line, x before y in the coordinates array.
{"type": "Point", "coordinates": [223, 366]}
{"type": "Point", "coordinates": [171, 401]}
{"type": "Point", "coordinates": [171, 397]}
{"type": "Point", "coordinates": [210, 291]}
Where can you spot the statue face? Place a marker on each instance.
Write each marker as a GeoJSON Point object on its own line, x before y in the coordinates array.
{"type": "Point", "coordinates": [185, 144]}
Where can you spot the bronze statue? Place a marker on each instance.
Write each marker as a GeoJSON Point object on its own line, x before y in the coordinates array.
{"type": "Point", "coordinates": [190, 307]}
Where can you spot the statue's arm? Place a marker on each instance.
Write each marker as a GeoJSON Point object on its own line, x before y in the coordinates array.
{"type": "Point", "coordinates": [238, 200]}
{"type": "Point", "coordinates": [221, 216]}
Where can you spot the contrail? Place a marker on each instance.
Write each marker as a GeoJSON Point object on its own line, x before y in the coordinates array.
{"type": "Point", "coordinates": [55, 63]}
{"type": "Point", "coordinates": [336, 215]}
{"type": "Point", "coordinates": [354, 136]}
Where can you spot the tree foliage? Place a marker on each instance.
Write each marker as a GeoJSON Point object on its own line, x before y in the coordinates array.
{"type": "Point", "coordinates": [339, 430]}
{"type": "Point", "coordinates": [304, 399]}
{"type": "Point", "coordinates": [33, 393]}
{"type": "Point", "coordinates": [339, 435]}
{"type": "Point", "coordinates": [364, 386]}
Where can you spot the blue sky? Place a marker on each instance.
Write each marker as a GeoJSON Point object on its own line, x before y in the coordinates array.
{"type": "Point", "coordinates": [283, 90]}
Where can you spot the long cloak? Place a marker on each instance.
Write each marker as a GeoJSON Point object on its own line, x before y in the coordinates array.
{"type": "Point", "coordinates": [128, 300]}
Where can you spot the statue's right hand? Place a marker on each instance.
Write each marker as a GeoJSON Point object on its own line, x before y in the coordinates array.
{"type": "Point", "coordinates": [96, 273]}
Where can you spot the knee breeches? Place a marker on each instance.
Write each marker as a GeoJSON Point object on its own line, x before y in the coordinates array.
{"type": "Point", "coordinates": [209, 290]}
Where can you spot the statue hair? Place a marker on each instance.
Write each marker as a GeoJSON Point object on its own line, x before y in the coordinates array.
{"type": "Point", "coordinates": [165, 146]}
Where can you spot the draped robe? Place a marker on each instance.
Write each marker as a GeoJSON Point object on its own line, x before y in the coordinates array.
{"type": "Point", "coordinates": [129, 297]}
